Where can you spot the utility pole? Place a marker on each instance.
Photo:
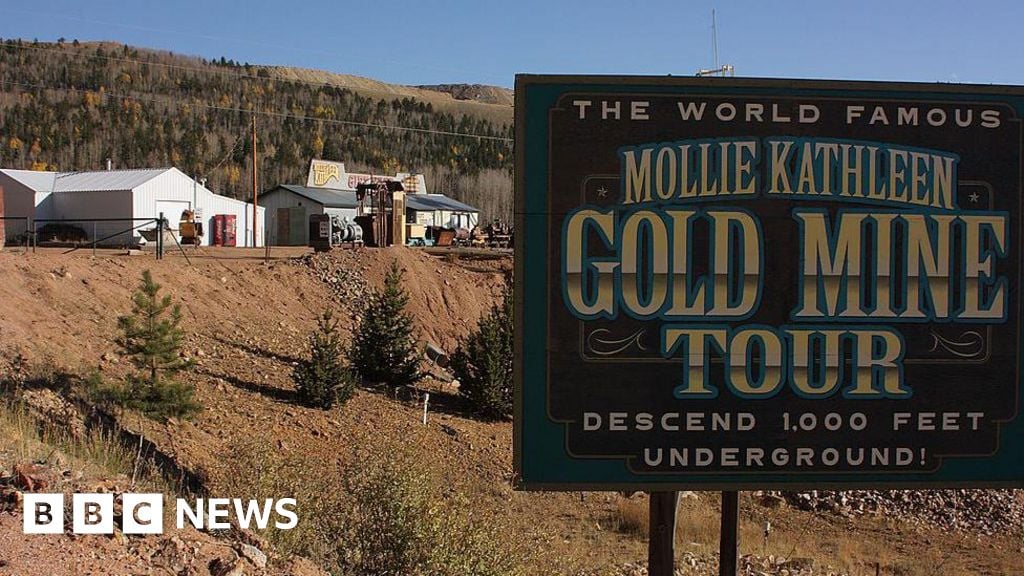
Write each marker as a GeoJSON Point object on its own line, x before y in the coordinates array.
{"type": "Point", "coordinates": [255, 192]}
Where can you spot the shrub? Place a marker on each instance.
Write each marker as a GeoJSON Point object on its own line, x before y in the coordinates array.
{"type": "Point", "coordinates": [482, 363]}
{"type": "Point", "coordinates": [391, 517]}
{"type": "Point", "coordinates": [384, 349]}
{"type": "Point", "coordinates": [151, 337]}
{"type": "Point", "coordinates": [406, 526]}
{"type": "Point", "coordinates": [323, 379]}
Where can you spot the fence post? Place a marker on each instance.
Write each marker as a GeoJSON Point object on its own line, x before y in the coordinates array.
{"type": "Point", "coordinates": [266, 246]}
{"type": "Point", "coordinates": [160, 237]}
{"type": "Point", "coordinates": [93, 238]}
{"type": "Point", "coordinates": [31, 231]}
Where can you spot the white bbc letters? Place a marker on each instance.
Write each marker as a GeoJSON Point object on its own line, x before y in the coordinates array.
{"type": "Point", "coordinates": [43, 514]}
{"type": "Point", "coordinates": [92, 513]}
{"type": "Point", "coordinates": [143, 513]}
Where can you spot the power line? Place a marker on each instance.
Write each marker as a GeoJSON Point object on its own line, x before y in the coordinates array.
{"type": "Point", "coordinates": [267, 113]}
{"type": "Point", "coordinates": [229, 154]}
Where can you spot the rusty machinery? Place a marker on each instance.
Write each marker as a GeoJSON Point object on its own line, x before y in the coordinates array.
{"type": "Point", "coordinates": [329, 231]}
{"type": "Point", "coordinates": [499, 235]}
{"type": "Point", "coordinates": [190, 230]}
{"type": "Point", "coordinates": [382, 205]}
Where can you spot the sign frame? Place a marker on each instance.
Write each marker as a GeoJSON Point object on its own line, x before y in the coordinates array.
{"type": "Point", "coordinates": [539, 463]}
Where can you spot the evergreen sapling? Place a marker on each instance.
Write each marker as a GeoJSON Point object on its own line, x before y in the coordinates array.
{"type": "Point", "coordinates": [324, 379]}
{"type": "Point", "coordinates": [384, 349]}
{"type": "Point", "coordinates": [151, 337]}
{"type": "Point", "coordinates": [482, 363]}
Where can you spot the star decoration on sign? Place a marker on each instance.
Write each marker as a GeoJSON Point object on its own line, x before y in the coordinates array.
{"type": "Point", "coordinates": [973, 197]}
{"type": "Point", "coordinates": [602, 192]}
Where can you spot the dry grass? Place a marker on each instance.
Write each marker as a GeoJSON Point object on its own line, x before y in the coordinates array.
{"type": "Point", "coordinates": [631, 516]}
{"type": "Point", "coordinates": [96, 453]}
{"type": "Point", "coordinates": [698, 524]}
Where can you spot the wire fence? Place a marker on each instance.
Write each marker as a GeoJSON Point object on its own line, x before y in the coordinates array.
{"type": "Point", "coordinates": [81, 233]}
{"type": "Point", "coordinates": [156, 235]}
{"type": "Point", "coordinates": [101, 232]}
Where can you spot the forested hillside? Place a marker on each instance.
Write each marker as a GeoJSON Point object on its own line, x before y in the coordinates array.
{"type": "Point", "coordinates": [71, 105]}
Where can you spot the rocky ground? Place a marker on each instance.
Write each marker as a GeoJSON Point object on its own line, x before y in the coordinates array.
{"type": "Point", "coordinates": [694, 564]}
{"type": "Point", "coordinates": [985, 512]}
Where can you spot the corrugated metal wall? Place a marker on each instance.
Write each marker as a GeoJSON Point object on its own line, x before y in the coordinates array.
{"type": "Point", "coordinates": [86, 209]}
{"type": "Point", "coordinates": [174, 185]}
{"type": "Point", "coordinates": [215, 204]}
{"type": "Point", "coordinates": [349, 213]}
{"type": "Point", "coordinates": [19, 199]}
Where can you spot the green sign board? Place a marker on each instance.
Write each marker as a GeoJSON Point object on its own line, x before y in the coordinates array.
{"type": "Point", "coordinates": [744, 284]}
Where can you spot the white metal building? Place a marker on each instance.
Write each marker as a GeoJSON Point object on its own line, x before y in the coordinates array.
{"type": "Point", "coordinates": [103, 203]}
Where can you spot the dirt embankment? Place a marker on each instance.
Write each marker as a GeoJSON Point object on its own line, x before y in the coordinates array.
{"type": "Point", "coordinates": [66, 306]}
{"type": "Point", "coordinates": [248, 322]}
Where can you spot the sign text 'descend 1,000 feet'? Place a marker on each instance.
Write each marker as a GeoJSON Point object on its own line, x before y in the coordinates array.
{"type": "Point", "coordinates": [729, 283]}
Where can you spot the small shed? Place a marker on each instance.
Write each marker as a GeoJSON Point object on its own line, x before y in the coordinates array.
{"type": "Point", "coordinates": [289, 207]}
{"type": "Point", "coordinates": [440, 210]}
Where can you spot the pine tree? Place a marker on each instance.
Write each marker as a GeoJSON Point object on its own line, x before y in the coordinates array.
{"type": "Point", "coordinates": [384, 349]}
{"type": "Point", "coordinates": [323, 379]}
{"type": "Point", "coordinates": [151, 336]}
{"type": "Point", "coordinates": [482, 363]}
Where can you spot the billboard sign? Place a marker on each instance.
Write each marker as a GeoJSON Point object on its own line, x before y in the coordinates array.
{"type": "Point", "coordinates": [325, 174]}
{"type": "Point", "coordinates": [745, 284]}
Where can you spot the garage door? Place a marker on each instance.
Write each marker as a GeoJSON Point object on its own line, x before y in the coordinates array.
{"type": "Point", "coordinates": [172, 210]}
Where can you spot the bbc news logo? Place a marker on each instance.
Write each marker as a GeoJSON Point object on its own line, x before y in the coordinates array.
{"type": "Point", "coordinates": [144, 513]}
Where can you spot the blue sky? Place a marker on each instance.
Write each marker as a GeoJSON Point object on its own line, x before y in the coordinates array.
{"type": "Point", "coordinates": [436, 41]}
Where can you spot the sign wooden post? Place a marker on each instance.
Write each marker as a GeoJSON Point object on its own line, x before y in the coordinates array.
{"type": "Point", "coordinates": [729, 542]}
{"type": "Point", "coordinates": [661, 539]}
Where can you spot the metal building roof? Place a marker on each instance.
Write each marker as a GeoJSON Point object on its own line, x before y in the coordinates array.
{"type": "Point", "coordinates": [436, 202]}
{"type": "Point", "coordinates": [105, 180]}
{"type": "Point", "coordinates": [97, 180]}
{"type": "Point", "coordinates": [328, 197]}
{"type": "Point", "coordinates": [38, 181]}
